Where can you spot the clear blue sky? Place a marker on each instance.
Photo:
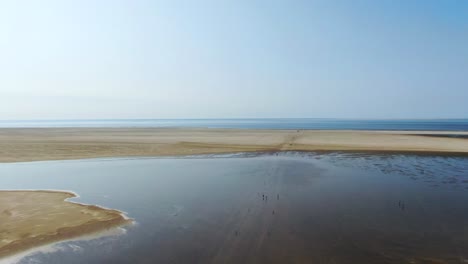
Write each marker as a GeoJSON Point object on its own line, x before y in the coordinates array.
{"type": "Point", "coordinates": [226, 59]}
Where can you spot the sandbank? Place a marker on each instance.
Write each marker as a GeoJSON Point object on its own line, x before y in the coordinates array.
{"type": "Point", "coordinates": [29, 219]}
{"type": "Point", "coordinates": [34, 144]}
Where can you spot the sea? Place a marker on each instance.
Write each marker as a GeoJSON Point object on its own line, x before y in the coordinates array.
{"type": "Point", "coordinates": [258, 123]}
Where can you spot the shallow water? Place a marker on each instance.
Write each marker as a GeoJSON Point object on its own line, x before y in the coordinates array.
{"type": "Point", "coordinates": [275, 208]}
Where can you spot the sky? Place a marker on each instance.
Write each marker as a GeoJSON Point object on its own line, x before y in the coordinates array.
{"type": "Point", "coordinates": [88, 59]}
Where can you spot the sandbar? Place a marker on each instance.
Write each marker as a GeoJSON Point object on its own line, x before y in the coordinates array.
{"type": "Point", "coordinates": [30, 219]}
{"type": "Point", "coordinates": [35, 144]}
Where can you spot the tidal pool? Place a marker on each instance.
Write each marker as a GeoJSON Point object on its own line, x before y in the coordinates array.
{"type": "Point", "coordinates": [284, 207]}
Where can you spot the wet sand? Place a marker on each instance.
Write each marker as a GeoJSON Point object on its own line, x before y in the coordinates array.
{"type": "Point", "coordinates": [29, 219]}
{"type": "Point", "coordinates": [33, 144]}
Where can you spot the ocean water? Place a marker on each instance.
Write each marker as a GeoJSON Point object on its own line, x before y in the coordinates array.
{"type": "Point", "coordinates": [286, 207]}
{"type": "Point", "coordinates": [274, 123]}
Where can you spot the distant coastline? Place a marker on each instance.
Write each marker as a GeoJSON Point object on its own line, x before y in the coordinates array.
{"type": "Point", "coordinates": [36, 144]}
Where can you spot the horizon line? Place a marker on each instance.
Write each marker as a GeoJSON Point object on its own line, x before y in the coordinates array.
{"type": "Point", "coordinates": [236, 118]}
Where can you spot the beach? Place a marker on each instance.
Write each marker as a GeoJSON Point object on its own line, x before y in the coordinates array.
{"type": "Point", "coordinates": [35, 144]}
{"type": "Point", "coordinates": [26, 223]}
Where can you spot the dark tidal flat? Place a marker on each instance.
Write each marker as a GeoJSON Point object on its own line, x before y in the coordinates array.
{"type": "Point", "coordinates": [283, 207]}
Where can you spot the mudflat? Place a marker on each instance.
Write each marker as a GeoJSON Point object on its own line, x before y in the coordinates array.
{"type": "Point", "coordinates": [32, 144]}
{"type": "Point", "coordinates": [34, 218]}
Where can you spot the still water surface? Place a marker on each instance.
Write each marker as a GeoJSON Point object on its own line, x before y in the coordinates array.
{"type": "Point", "coordinates": [270, 208]}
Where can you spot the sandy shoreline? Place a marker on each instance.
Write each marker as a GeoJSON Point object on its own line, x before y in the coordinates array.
{"type": "Point", "coordinates": [26, 223]}
{"type": "Point", "coordinates": [34, 144]}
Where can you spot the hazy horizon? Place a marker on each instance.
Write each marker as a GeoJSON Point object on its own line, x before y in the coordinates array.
{"type": "Point", "coordinates": [235, 118]}
{"type": "Point", "coordinates": [143, 59]}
